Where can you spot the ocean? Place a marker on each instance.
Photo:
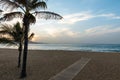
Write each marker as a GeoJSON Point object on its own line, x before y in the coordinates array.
{"type": "Point", "coordinates": [72, 47]}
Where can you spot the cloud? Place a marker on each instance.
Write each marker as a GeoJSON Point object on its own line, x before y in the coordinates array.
{"type": "Point", "coordinates": [76, 17]}
{"type": "Point", "coordinates": [98, 34]}
{"type": "Point", "coordinates": [71, 19]}
{"type": "Point", "coordinates": [101, 34]}
{"type": "Point", "coordinates": [57, 32]}
{"type": "Point", "coordinates": [110, 15]}
{"type": "Point", "coordinates": [61, 32]}
{"type": "Point", "coordinates": [56, 35]}
{"type": "Point", "coordinates": [83, 16]}
{"type": "Point", "coordinates": [102, 30]}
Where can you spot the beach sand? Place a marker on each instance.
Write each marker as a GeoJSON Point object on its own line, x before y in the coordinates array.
{"type": "Point", "coordinates": [43, 64]}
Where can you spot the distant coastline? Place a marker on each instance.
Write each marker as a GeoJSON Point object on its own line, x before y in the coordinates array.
{"type": "Point", "coordinates": [33, 42]}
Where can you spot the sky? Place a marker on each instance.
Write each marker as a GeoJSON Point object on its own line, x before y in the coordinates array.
{"type": "Point", "coordinates": [84, 21]}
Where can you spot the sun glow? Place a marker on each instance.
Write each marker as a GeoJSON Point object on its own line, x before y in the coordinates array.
{"type": "Point", "coordinates": [35, 38]}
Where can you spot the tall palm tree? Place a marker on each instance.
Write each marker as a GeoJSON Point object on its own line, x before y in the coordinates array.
{"type": "Point", "coordinates": [13, 36]}
{"type": "Point", "coordinates": [29, 9]}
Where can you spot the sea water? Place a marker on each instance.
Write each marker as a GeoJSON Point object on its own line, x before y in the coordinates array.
{"type": "Point", "coordinates": [78, 47]}
{"type": "Point", "coordinates": [72, 47]}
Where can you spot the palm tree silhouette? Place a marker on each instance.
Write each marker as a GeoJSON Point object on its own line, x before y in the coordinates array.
{"type": "Point", "coordinates": [13, 35]}
{"type": "Point", "coordinates": [29, 9]}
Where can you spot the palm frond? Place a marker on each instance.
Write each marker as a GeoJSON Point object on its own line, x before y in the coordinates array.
{"type": "Point", "coordinates": [31, 36]}
{"type": "Point", "coordinates": [1, 10]}
{"type": "Point", "coordinates": [32, 19]}
{"type": "Point", "coordinates": [18, 32]}
{"type": "Point", "coordinates": [34, 1]}
{"type": "Point", "coordinates": [5, 29]}
{"type": "Point", "coordinates": [6, 40]}
{"type": "Point", "coordinates": [14, 32]}
{"type": "Point", "coordinates": [4, 32]}
{"type": "Point", "coordinates": [38, 5]}
{"type": "Point", "coordinates": [21, 2]}
{"type": "Point", "coordinates": [48, 15]}
{"type": "Point", "coordinates": [17, 27]}
{"type": "Point", "coordinates": [9, 31]}
{"type": "Point", "coordinates": [8, 4]}
{"type": "Point", "coordinates": [12, 15]}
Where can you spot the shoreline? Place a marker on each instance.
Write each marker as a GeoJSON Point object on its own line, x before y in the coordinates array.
{"type": "Point", "coordinates": [61, 50]}
{"type": "Point", "coordinates": [72, 47]}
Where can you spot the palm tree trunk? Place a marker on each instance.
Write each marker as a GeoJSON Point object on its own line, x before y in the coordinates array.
{"type": "Point", "coordinates": [20, 52]}
{"type": "Point", "coordinates": [26, 26]}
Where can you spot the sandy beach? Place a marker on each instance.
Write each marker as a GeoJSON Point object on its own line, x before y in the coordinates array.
{"type": "Point", "coordinates": [42, 64]}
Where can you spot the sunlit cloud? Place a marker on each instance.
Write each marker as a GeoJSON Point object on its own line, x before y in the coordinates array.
{"type": "Point", "coordinates": [57, 32]}
{"type": "Point", "coordinates": [67, 35]}
{"type": "Point", "coordinates": [56, 35]}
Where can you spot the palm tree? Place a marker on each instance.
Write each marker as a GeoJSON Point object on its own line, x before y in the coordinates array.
{"type": "Point", "coordinates": [29, 9]}
{"type": "Point", "coordinates": [13, 36]}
